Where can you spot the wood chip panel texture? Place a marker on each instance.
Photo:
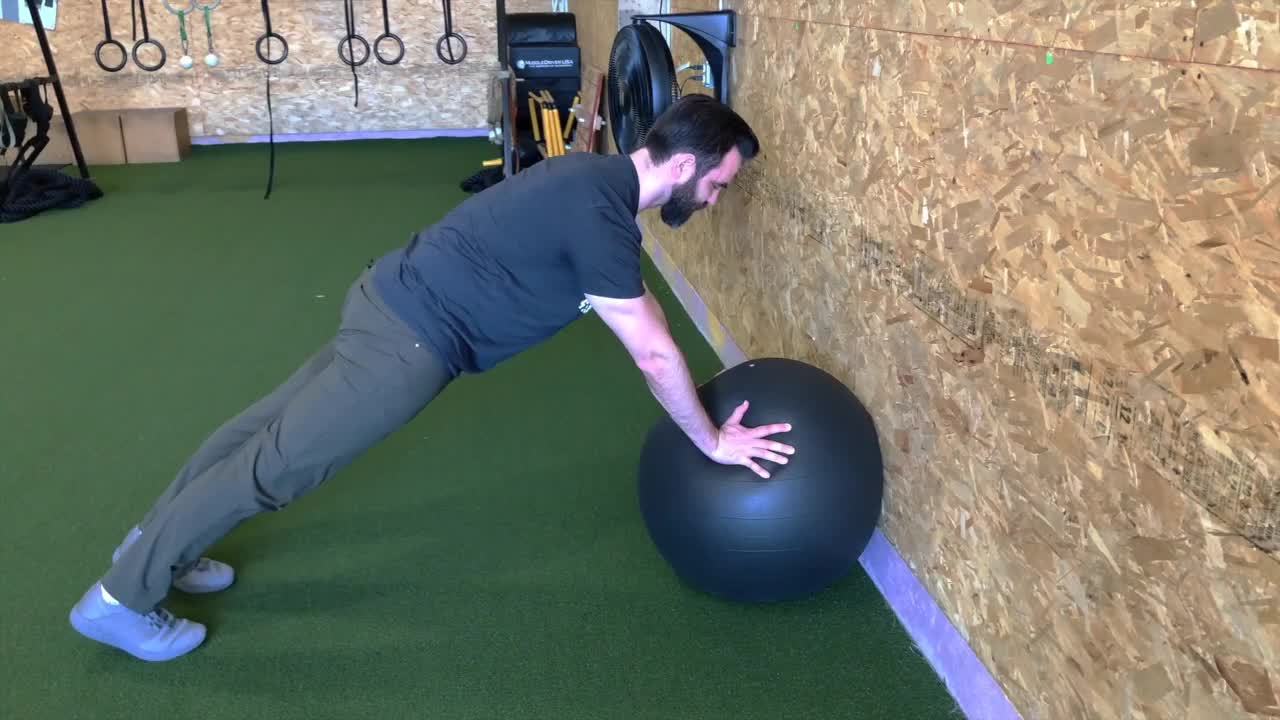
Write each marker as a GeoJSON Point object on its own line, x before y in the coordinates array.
{"type": "Point", "coordinates": [312, 92]}
{"type": "Point", "coordinates": [1043, 243]}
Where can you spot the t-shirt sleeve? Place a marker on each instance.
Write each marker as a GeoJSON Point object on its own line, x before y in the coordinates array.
{"type": "Point", "coordinates": [607, 259]}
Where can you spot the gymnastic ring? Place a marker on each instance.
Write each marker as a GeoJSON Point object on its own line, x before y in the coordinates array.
{"type": "Point", "coordinates": [443, 41]}
{"type": "Point", "coordinates": [268, 37]}
{"type": "Point", "coordinates": [124, 55]}
{"type": "Point", "coordinates": [359, 41]}
{"type": "Point", "coordinates": [399, 44]}
{"type": "Point", "coordinates": [148, 41]}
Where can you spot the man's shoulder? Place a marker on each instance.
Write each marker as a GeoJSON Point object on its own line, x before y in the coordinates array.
{"type": "Point", "coordinates": [610, 191]}
{"type": "Point", "coordinates": [593, 170]}
{"type": "Point", "coordinates": [586, 166]}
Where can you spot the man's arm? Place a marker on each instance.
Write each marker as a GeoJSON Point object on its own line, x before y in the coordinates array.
{"type": "Point", "coordinates": [642, 327]}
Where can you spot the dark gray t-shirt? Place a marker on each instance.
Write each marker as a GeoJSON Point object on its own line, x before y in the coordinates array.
{"type": "Point", "coordinates": [509, 267]}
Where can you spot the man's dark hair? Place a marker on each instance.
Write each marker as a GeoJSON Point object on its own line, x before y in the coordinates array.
{"type": "Point", "coordinates": [702, 126]}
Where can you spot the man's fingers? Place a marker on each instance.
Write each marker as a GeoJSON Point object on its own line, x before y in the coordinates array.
{"type": "Point", "coordinates": [775, 457]}
{"type": "Point", "coordinates": [774, 429]}
{"type": "Point", "coordinates": [779, 447]}
{"type": "Point", "coordinates": [737, 415]}
{"type": "Point", "coordinates": [775, 446]}
{"type": "Point", "coordinates": [756, 467]}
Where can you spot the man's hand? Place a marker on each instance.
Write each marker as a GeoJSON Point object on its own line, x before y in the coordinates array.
{"type": "Point", "coordinates": [641, 326]}
{"type": "Point", "coordinates": [740, 445]}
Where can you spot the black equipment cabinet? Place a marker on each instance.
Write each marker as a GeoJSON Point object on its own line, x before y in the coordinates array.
{"type": "Point", "coordinates": [537, 52]}
{"type": "Point", "coordinates": [542, 54]}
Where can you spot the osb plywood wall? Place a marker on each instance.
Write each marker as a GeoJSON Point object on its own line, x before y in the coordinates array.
{"type": "Point", "coordinates": [1043, 243]}
{"type": "Point", "coordinates": [311, 92]}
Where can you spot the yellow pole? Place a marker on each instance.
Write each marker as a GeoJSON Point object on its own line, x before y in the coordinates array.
{"type": "Point", "coordinates": [555, 115]}
{"type": "Point", "coordinates": [533, 118]}
{"type": "Point", "coordinates": [568, 123]}
{"type": "Point", "coordinates": [551, 150]}
{"type": "Point", "coordinates": [553, 121]}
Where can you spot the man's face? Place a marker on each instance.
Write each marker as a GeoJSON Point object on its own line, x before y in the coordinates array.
{"type": "Point", "coordinates": [699, 192]}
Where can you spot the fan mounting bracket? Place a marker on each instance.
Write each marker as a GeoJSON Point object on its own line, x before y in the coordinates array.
{"type": "Point", "coordinates": [714, 32]}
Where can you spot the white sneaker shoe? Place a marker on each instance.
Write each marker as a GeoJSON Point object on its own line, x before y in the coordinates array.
{"type": "Point", "coordinates": [206, 576]}
{"type": "Point", "coordinates": [154, 637]}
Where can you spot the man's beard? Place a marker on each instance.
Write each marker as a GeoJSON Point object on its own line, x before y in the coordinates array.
{"type": "Point", "coordinates": [682, 205]}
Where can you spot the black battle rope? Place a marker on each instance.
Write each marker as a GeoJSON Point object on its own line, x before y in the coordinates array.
{"type": "Point", "coordinates": [349, 13]}
{"type": "Point", "coordinates": [139, 8]}
{"type": "Point", "coordinates": [271, 124]}
{"type": "Point", "coordinates": [28, 190]}
{"type": "Point", "coordinates": [446, 40]}
{"type": "Point", "coordinates": [110, 42]}
{"type": "Point", "coordinates": [390, 36]}
{"type": "Point", "coordinates": [265, 56]}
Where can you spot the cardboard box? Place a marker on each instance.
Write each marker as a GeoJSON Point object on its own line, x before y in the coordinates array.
{"type": "Point", "coordinates": [117, 137]}
{"type": "Point", "coordinates": [101, 140]}
{"type": "Point", "coordinates": [99, 135]}
{"type": "Point", "coordinates": [155, 135]}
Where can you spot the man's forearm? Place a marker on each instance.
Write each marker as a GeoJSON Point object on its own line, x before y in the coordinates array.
{"type": "Point", "coordinates": [669, 380]}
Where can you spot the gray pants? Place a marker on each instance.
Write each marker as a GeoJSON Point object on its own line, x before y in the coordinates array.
{"type": "Point", "coordinates": [373, 377]}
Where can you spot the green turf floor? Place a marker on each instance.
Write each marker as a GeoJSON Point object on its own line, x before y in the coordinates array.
{"type": "Point", "coordinates": [488, 561]}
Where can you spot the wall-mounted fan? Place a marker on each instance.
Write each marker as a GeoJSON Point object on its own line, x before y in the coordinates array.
{"type": "Point", "coordinates": [642, 75]}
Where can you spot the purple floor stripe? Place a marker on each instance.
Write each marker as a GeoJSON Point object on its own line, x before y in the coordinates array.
{"type": "Point", "coordinates": [965, 676]}
{"type": "Point", "coordinates": [963, 673]}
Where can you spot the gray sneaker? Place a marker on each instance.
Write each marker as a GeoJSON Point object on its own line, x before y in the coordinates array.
{"type": "Point", "coordinates": [155, 637]}
{"type": "Point", "coordinates": [206, 576]}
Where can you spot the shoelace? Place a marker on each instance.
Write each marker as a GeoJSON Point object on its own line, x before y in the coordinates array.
{"type": "Point", "coordinates": [160, 619]}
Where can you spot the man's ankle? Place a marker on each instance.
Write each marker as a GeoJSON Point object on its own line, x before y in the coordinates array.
{"type": "Point", "coordinates": [107, 596]}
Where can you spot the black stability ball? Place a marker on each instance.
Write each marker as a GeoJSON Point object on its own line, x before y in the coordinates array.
{"type": "Point", "coordinates": [727, 531]}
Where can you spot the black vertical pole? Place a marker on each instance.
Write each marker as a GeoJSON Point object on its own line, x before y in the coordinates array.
{"type": "Point", "coordinates": [502, 33]}
{"type": "Point", "coordinates": [508, 127]}
{"type": "Point", "coordinates": [33, 6]}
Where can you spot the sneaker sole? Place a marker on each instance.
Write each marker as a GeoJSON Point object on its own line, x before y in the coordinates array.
{"type": "Point", "coordinates": [195, 589]}
{"type": "Point", "coordinates": [86, 627]}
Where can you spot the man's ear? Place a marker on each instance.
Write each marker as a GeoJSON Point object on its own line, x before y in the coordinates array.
{"type": "Point", "coordinates": [683, 167]}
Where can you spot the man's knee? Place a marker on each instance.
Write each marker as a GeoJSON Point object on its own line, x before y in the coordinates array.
{"type": "Point", "coordinates": [274, 491]}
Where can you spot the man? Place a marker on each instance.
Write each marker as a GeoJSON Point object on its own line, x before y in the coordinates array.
{"type": "Point", "coordinates": [504, 271]}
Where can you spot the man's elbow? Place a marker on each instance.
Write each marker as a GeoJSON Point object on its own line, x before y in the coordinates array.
{"type": "Point", "coordinates": [658, 359]}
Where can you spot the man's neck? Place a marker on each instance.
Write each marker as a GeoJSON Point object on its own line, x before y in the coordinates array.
{"type": "Point", "coordinates": [654, 190]}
